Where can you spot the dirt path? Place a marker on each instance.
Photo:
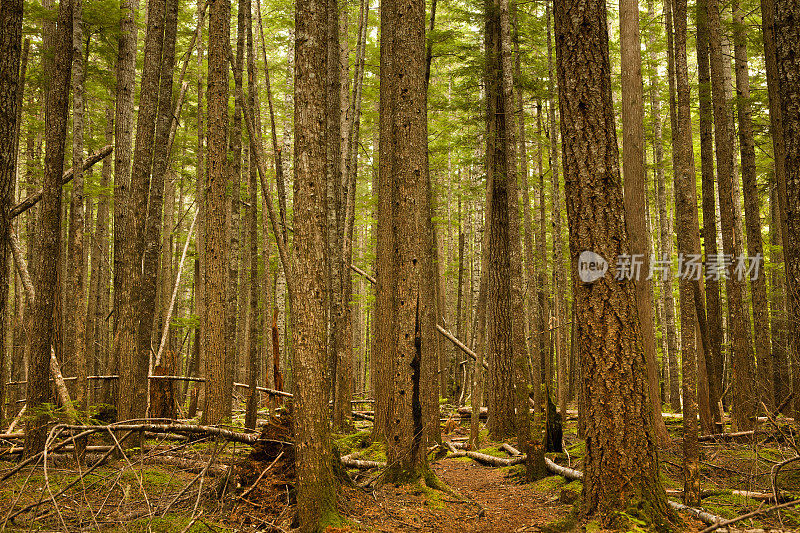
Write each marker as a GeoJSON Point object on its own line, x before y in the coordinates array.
{"type": "Point", "coordinates": [508, 506]}
{"type": "Point", "coordinates": [496, 504]}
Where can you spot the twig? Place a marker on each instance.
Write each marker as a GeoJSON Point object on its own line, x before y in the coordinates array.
{"type": "Point", "coordinates": [253, 486]}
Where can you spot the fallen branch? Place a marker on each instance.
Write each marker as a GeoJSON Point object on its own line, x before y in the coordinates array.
{"type": "Point", "coordinates": [66, 177]}
{"type": "Point", "coordinates": [762, 496]}
{"type": "Point", "coordinates": [261, 475]}
{"type": "Point", "coordinates": [233, 436]}
{"type": "Point", "coordinates": [722, 523]}
{"type": "Point", "coordinates": [361, 272]}
{"type": "Point", "coordinates": [187, 464]}
{"type": "Point", "coordinates": [361, 464]}
{"type": "Point", "coordinates": [726, 436]}
{"type": "Point", "coordinates": [460, 345]}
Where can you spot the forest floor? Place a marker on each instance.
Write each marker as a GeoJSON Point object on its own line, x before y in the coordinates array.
{"type": "Point", "coordinates": [198, 486]}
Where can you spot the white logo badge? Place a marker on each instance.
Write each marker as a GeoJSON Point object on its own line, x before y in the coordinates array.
{"type": "Point", "coordinates": [591, 266]}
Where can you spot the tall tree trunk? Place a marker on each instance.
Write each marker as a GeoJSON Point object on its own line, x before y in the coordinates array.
{"type": "Point", "coordinates": [123, 138]}
{"type": "Point", "coordinates": [621, 466]}
{"type": "Point", "coordinates": [411, 317]}
{"type": "Point", "coordinates": [668, 331]}
{"type": "Point", "coordinates": [217, 403]}
{"type": "Point", "coordinates": [787, 46]}
{"type": "Point", "coordinates": [744, 400]}
{"type": "Point", "coordinates": [688, 243]}
{"type": "Point", "coordinates": [151, 236]}
{"type": "Point", "coordinates": [635, 187]}
{"type": "Point", "coordinates": [57, 42]}
{"type": "Point", "coordinates": [674, 370]}
{"type": "Point", "coordinates": [541, 252]}
{"type": "Point", "coordinates": [714, 315]}
{"type": "Point", "coordinates": [316, 488]}
{"type": "Point", "coordinates": [10, 49]}
{"type": "Point", "coordinates": [75, 298]}
{"type": "Point", "coordinates": [499, 165]}
{"type": "Point", "coordinates": [752, 208]}
{"type": "Point", "coordinates": [554, 325]}
{"type": "Point", "coordinates": [133, 366]}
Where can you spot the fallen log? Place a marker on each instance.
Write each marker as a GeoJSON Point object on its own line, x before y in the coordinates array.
{"type": "Point", "coordinates": [363, 416]}
{"type": "Point", "coordinates": [187, 464]}
{"type": "Point", "coordinates": [726, 436]}
{"type": "Point", "coordinates": [211, 431]}
{"type": "Point", "coordinates": [361, 464]}
{"type": "Point", "coordinates": [708, 493]}
{"type": "Point", "coordinates": [66, 177]}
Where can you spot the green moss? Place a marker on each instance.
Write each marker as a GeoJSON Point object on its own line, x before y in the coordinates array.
{"type": "Point", "coordinates": [494, 451]}
{"type": "Point", "coordinates": [577, 450]}
{"type": "Point", "coordinates": [351, 442]}
{"type": "Point", "coordinates": [549, 483]}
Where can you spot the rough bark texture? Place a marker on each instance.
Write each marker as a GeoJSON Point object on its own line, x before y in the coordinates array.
{"type": "Point", "coordinates": [500, 386]}
{"type": "Point", "coordinates": [123, 138]}
{"type": "Point", "coordinates": [780, 362]}
{"type": "Point", "coordinates": [58, 41]}
{"type": "Point", "coordinates": [409, 318]}
{"type": "Point", "coordinates": [621, 463]}
{"type": "Point", "coordinates": [635, 187]}
{"type": "Point", "coordinates": [133, 366]}
{"type": "Point", "coordinates": [688, 243]}
{"type": "Point", "coordinates": [744, 398]}
{"type": "Point", "coordinates": [218, 404]}
{"type": "Point", "coordinates": [316, 487]}
{"type": "Point", "coordinates": [674, 370]}
{"type": "Point", "coordinates": [75, 322]}
{"type": "Point", "coordinates": [787, 45]}
{"type": "Point", "coordinates": [713, 314]}
{"type": "Point", "coordinates": [752, 209]}
{"type": "Point", "coordinates": [10, 49]}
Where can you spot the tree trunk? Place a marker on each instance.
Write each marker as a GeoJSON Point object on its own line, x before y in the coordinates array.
{"type": "Point", "coordinates": [674, 371]}
{"type": "Point", "coordinates": [744, 400]}
{"type": "Point", "coordinates": [75, 298]}
{"type": "Point", "coordinates": [57, 42]}
{"type": "Point", "coordinates": [499, 165]}
{"type": "Point", "coordinates": [635, 187]}
{"type": "Point", "coordinates": [714, 316]}
{"type": "Point", "coordinates": [688, 243]}
{"type": "Point", "coordinates": [316, 487]}
{"type": "Point", "coordinates": [133, 364]}
{"type": "Point", "coordinates": [787, 45]}
{"type": "Point", "coordinates": [752, 208]}
{"type": "Point", "coordinates": [10, 48]}
{"type": "Point", "coordinates": [217, 403]}
{"type": "Point", "coordinates": [621, 465]}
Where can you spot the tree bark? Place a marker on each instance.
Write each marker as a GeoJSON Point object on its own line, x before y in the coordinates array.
{"type": "Point", "coordinates": [217, 403]}
{"type": "Point", "coordinates": [123, 138]}
{"type": "Point", "coordinates": [499, 165]}
{"type": "Point", "coordinates": [744, 400]}
{"type": "Point", "coordinates": [316, 488]}
{"type": "Point", "coordinates": [714, 316]}
{"type": "Point", "coordinates": [787, 45]}
{"type": "Point", "coordinates": [752, 208]}
{"type": "Point", "coordinates": [10, 48]}
{"type": "Point", "coordinates": [58, 42]}
{"type": "Point", "coordinates": [635, 187]}
{"type": "Point", "coordinates": [621, 465]}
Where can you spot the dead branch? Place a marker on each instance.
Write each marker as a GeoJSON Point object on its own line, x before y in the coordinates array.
{"type": "Point", "coordinates": [261, 475]}
{"type": "Point", "coordinates": [33, 199]}
{"type": "Point", "coordinates": [722, 523]}
{"type": "Point", "coordinates": [460, 345]}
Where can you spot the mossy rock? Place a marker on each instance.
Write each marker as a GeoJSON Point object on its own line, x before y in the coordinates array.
{"type": "Point", "coordinates": [570, 492]}
{"type": "Point", "coordinates": [354, 441]}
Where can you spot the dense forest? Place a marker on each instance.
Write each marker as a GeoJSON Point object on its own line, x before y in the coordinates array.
{"type": "Point", "coordinates": [332, 265]}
